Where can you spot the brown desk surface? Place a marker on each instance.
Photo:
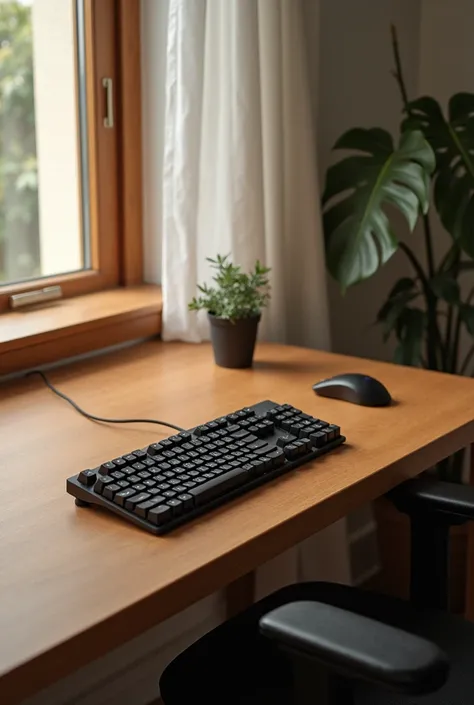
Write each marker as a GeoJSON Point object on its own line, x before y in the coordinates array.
{"type": "Point", "coordinates": [77, 582]}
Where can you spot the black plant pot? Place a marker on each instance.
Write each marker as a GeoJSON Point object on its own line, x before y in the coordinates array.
{"type": "Point", "coordinates": [233, 342]}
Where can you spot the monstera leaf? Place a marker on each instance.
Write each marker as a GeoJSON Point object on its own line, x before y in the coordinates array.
{"type": "Point", "coordinates": [359, 237]}
{"type": "Point", "coordinates": [453, 143]}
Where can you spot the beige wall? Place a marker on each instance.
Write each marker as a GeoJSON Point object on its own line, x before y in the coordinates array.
{"type": "Point", "coordinates": [357, 90]}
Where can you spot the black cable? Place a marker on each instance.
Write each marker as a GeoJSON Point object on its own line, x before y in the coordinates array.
{"type": "Point", "coordinates": [92, 417]}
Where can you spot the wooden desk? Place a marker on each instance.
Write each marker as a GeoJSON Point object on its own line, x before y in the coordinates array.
{"type": "Point", "coordinates": [75, 583]}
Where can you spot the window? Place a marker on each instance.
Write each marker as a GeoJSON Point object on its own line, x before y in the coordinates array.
{"type": "Point", "coordinates": [60, 145]}
{"type": "Point", "coordinates": [70, 181]}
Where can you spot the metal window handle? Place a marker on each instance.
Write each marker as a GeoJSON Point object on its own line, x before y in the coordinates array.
{"type": "Point", "coordinates": [109, 96]}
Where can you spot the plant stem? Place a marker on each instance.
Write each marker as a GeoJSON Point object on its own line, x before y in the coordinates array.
{"type": "Point", "coordinates": [434, 340]}
{"type": "Point", "coordinates": [433, 334]}
{"type": "Point", "coordinates": [398, 67]}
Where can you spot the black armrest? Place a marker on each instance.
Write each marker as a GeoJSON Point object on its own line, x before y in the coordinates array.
{"type": "Point", "coordinates": [432, 496]}
{"type": "Point", "coordinates": [358, 647]}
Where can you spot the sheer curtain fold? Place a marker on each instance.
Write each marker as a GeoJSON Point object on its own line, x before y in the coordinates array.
{"type": "Point", "coordinates": [239, 162]}
{"type": "Point", "coordinates": [240, 177]}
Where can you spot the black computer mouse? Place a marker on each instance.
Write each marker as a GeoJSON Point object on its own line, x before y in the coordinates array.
{"type": "Point", "coordinates": [356, 388]}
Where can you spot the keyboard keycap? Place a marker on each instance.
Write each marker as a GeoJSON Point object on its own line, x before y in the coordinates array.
{"type": "Point", "coordinates": [318, 439]}
{"type": "Point", "coordinates": [119, 461]}
{"type": "Point", "coordinates": [137, 499]}
{"type": "Point", "coordinates": [139, 454]}
{"type": "Point", "coordinates": [177, 507]}
{"type": "Point", "coordinates": [106, 468]}
{"type": "Point", "coordinates": [88, 477]}
{"type": "Point", "coordinates": [219, 485]}
{"type": "Point", "coordinates": [256, 444]}
{"type": "Point", "coordinates": [159, 515]}
{"type": "Point", "coordinates": [142, 509]}
{"type": "Point", "coordinates": [123, 495]}
{"type": "Point", "coordinates": [110, 490]}
{"type": "Point", "coordinates": [291, 451]}
{"type": "Point", "coordinates": [139, 487]}
{"type": "Point", "coordinates": [186, 499]}
{"type": "Point", "coordinates": [332, 432]}
{"type": "Point", "coordinates": [117, 475]}
{"type": "Point", "coordinates": [277, 457]}
{"type": "Point", "coordinates": [283, 441]}
{"type": "Point", "coordinates": [102, 482]}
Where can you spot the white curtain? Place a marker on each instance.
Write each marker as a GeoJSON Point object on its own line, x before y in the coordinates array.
{"type": "Point", "coordinates": [240, 177]}
{"type": "Point", "coordinates": [239, 162]}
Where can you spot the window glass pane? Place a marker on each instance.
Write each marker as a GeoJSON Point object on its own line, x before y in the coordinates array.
{"type": "Point", "coordinates": [43, 195]}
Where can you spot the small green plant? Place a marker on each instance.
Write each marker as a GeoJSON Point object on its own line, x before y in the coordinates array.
{"type": "Point", "coordinates": [236, 294]}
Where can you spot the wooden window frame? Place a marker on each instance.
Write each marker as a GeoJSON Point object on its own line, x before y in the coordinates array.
{"type": "Point", "coordinates": [112, 29]}
{"type": "Point", "coordinates": [108, 304]}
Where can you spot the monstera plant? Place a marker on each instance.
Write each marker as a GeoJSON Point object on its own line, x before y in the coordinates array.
{"type": "Point", "coordinates": [432, 166]}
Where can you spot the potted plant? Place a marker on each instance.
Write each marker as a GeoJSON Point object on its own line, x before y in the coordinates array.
{"type": "Point", "coordinates": [432, 167]}
{"type": "Point", "coordinates": [234, 308]}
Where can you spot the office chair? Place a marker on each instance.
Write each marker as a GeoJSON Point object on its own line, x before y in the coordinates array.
{"type": "Point", "coordinates": [329, 644]}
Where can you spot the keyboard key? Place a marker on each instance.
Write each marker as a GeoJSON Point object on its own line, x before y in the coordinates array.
{"type": "Point", "coordinates": [133, 478]}
{"type": "Point", "coordinates": [139, 453]}
{"type": "Point", "coordinates": [186, 499]}
{"type": "Point", "coordinates": [102, 482]}
{"type": "Point", "coordinates": [88, 477]}
{"type": "Point", "coordinates": [154, 449]}
{"type": "Point", "coordinates": [277, 456]}
{"type": "Point", "coordinates": [117, 475]}
{"type": "Point", "coordinates": [185, 435]}
{"type": "Point", "coordinates": [318, 439]}
{"type": "Point", "coordinates": [142, 509]}
{"type": "Point", "coordinates": [256, 444]}
{"type": "Point", "coordinates": [123, 495]}
{"type": "Point", "coordinates": [202, 430]}
{"type": "Point", "coordinates": [259, 466]}
{"type": "Point", "coordinates": [176, 440]}
{"type": "Point", "coordinates": [153, 491]}
{"type": "Point", "coordinates": [106, 468]}
{"type": "Point", "coordinates": [189, 484]}
{"type": "Point", "coordinates": [332, 432]}
{"type": "Point", "coordinates": [159, 515]}
{"type": "Point", "coordinates": [177, 507]}
{"type": "Point", "coordinates": [123, 484]}
{"type": "Point", "coordinates": [148, 462]}
{"type": "Point", "coordinates": [307, 444]}
{"type": "Point", "coordinates": [219, 485]}
{"type": "Point", "coordinates": [137, 499]}
{"type": "Point", "coordinates": [144, 475]}
{"type": "Point", "coordinates": [283, 441]}
{"type": "Point", "coordinates": [149, 483]}
{"type": "Point", "coordinates": [119, 461]}
{"type": "Point", "coordinates": [128, 471]}
{"type": "Point", "coordinates": [130, 458]}
{"type": "Point", "coordinates": [296, 429]}
{"type": "Point", "coordinates": [139, 487]}
{"type": "Point", "coordinates": [109, 491]}
{"type": "Point", "coordinates": [264, 449]}
{"type": "Point", "coordinates": [291, 451]}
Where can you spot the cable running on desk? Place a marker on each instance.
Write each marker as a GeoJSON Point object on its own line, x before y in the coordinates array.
{"type": "Point", "coordinates": [93, 417]}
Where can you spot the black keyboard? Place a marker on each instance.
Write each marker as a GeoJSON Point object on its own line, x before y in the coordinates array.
{"type": "Point", "coordinates": [188, 474]}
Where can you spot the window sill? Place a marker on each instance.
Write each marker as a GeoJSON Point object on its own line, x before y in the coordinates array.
{"type": "Point", "coordinates": [78, 325]}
